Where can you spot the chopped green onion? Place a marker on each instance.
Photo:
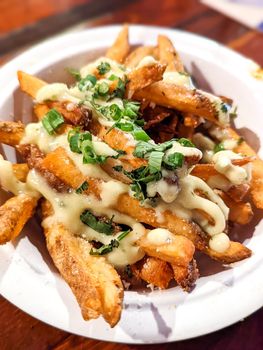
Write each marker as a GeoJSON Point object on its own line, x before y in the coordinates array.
{"type": "Point", "coordinates": [155, 161]}
{"type": "Point", "coordinates": [90, 220]}
{"type": "Point", "coordinates": [103, 68]}
{"type": "Point", "coordinates": [75, 73]}
{"type": "Point", "coordinates": [52, 121]}
{"type": "Point", "coordinates": [113, 77]}
{"type": "Point", "coordinates": [103, 88]}
{"type": "Point", "coordinates": [219, 147]}
{"type": "Point", "coordinates": [185, 142]}
{"type": "Point", "coordinates": [131, 109]}
{"type": "Point", "coordinates": [125, 126]}
{"type": "Point", "coordinates": [83, 187]}
{"type": "Point", "coordinates": [87, 82]}
{"type": "Point", "coordinates": [140, 135]}
{"type": "Point", "coordinates": [174, 161]}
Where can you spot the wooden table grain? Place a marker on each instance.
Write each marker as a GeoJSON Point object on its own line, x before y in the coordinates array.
{"type": "Point", "coordinates": [22, 23]}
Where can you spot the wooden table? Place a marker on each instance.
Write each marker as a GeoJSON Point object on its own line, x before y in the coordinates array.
{"type": "Point", "coordinates": [23, 23]}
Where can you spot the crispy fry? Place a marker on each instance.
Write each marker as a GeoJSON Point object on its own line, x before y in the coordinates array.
{"type": "Point", "coordinates": [143, 76]}
{"type": "Point", "coordinates": [185, 276]}
{"type": "Point", "coordinates": [121, 47]}
{"type": "Point", "coordinates": [168, 55]}
{"type": "Point", "coordinates": [134, 58]}
{"type": "Point", "coordinates": [14, 214]}
{"type": "Point", "coordinates": [29, 84]}
{"type": "Point", "coordinates": [205, 171]}
{"type": "Point", "coordinates": [11, 132]}
{"type": "Point", "coordinates": [153, 271]}
{"type": "Point", "coordinates": [179, 97]}
{"type": "Point", "coordinates": [20, 171]}
{"type": "Point", "coordinates": [95, 284]}
{"type": "Point", "coordinates": [236, 252]}
{"type": "Point", "coordinates": [33, 156]}
{"type": "Point", "coordinates": [241, 213]}
{"type": "Point", "coordinates": [257, 170]}
{"type": "Point", "coordinates": [179, 250]}
{"type": "Point", "coordinates": [61, 165]}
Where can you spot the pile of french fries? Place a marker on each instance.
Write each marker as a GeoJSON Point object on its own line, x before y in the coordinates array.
{"type": "Point", "coordinates": [169, 111]}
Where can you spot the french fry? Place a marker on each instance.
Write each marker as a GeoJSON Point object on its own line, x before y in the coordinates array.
{"type": "Point", "coordinates": [143, 76]}
{"type": "Point", "coordinates": [185, 276]}
{"type": "Point", "coordinates": [168, 55]}
{"type": "Point", "coordinates": [257, 170]}
{"type": "Point", "coordinates": [29, 84]}
{"type": "Point", "coordinates": [134, 58]}
{"type": "Point", "coordinates": [20, 171]}
{"type": "Point", "coordinates": [11, 132]}
{"type": "Point", "coordinates": [62, 167]}
{"type": "Point", "coordinates": [205, 171]}
{"type": "Point", "coordinates": [180, 98]}
{"type": "Point", "coordinates": [95, 283]}
{"type": "Point", "coordinates": [179, 250]}
{"type": "Point", "coordinates": [236, 252]}
{"type": "Point", "coordinates": [14, 214]}
{"type": "Point", "coordinates": [121, 47]}
{"type": "Point", "coordinates": [153, 271]}
{"type": "Point", "coordinates": [241, 212]}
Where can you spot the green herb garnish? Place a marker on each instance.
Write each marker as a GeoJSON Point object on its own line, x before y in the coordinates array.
{"type": "Point", "coordinates": [219, 147]}
{"type": "Point", "coordinates": [88, 82]}
{"type": "Point", "coordinates": [107, 248]}
{"type": "Point", "coordinates": [90, 220]}
{"type": "Point", "coordinates": [185, 142]}
{"type": "Point", "coordinates": [75, 73]}
{"type": "Point", "coordinates": [155, 161]}
{"type": "Point", "coordinates": [52, 121]}
{"type": "Point", "coordinates": [83, 187]}
{"type": "Point", "coordinates": [103, 68]}
{"type": "Point", "coordinates": [174, 161]}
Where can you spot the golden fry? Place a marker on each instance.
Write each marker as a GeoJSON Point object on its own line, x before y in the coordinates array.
{"type": "Point", "coordinates": [14, 214]}
{"type": "Point", "coordinates": [143, 76]}
{"type": "Point", "coordinates": [180, 98]}
{"type": "Point", "coordinates": [11, 132]}
{"type": "Point", "coordinates": [121, 47]}
{"type": "Point", "coordinates": [153, 271]}
{"type": "Point", "coordinates": [185, 276]}
{"type": "Point", "coordinates": [30, 84]}
{"type": "Point", "coordinates": [179, 250]}
{"type": "Point", "coordinates": [134, 58]}
{"type": "Point", "coordinates": [257, 170]}
{"type": "Point", "coordinates": [95, 283]}
{"type": "Point", "coordinates": [241, 213]}
{"type": "Point", "coordinates": [20, 171]}
{"type": "Point", "coordinates": [168, 55]}
{"type": "Point", "coordinates": [236, 252]}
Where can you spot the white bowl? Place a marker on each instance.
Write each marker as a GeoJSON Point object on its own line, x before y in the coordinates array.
{"type": "Point", "coordinates": [28, 278]}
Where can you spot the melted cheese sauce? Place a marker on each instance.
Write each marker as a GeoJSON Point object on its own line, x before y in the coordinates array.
{"type": "Point", "coordinates": [68, 208]}
{"type": "Point", "coordinates": [159, 236]}
{"type": "Point", "coordinates": [236, 174]}
{"type": "Point", "coordinates": [9, 181]}
{"type": "Point", "coordinates": [180, 199]}
{"type": "Point", "coordinates": [146, 61]}
{"type": "Point", "coordinates": [178, 78]}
